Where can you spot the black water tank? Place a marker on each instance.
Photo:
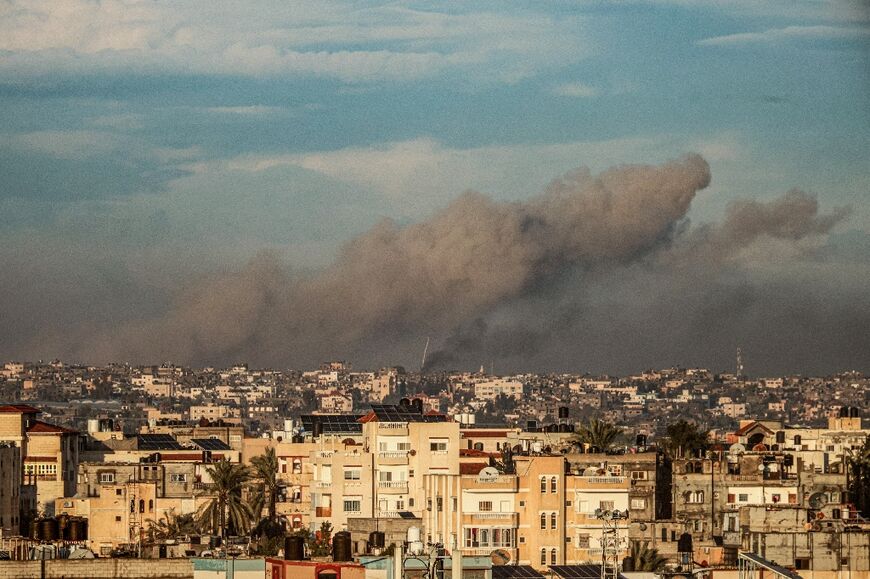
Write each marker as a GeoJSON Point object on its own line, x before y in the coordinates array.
{"type": "Point", "coordinates": [297, 439]}
{"type": "Point", "coordinates": [294, 548]}
{"type": "Point", "coordinates": [417, 404]}
{"type": "Point", "coordinates": [788, 460]}
{"type": "Point", "coordinates": [640, 440]}
{"type": "Point", "coordinates": [34, 530]}
{"type": "Point", "coordinates": [531, 425]}
{"type": "Point", "coordinates": [318, 428]}
{"type": "Point", "coordinates": [48, 530]}
{"type": "Point", "coordinates": [377, 539]}
{"type": "Point", "coordinates": [628, 564]}
{"type": "Point", "coordinates": [77, 530]}
{"type": "Point", "coordinates": [563, 412]}
{"type": "Point", "coordinates": [684, 543]}
{"type": "Point", "coordinates": [341, 547]}
{"type": "Point", "coordinates": [405, 402]}
{"type": "Point", "coordinates": [161, 552]}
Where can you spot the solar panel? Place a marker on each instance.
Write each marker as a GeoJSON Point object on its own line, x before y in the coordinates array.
{"type": "Point", "coordinates": [393, 413]}
{"type": "Point", "coordinates": [211, 444]}
{"type": "Point", "coordinates": [332, 423]}
{"type": "Point", "coordinates": [515, 572]}
{"type": "Point", "coordinates": [577, 571]}
{"type": "Point", "coordinates": [157, 442]}
{"type": "Point", "coordinates": [407, 515]}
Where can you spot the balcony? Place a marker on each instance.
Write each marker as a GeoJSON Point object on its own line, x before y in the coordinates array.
{"type": "Point", "coordinates": [392, 429]}
{"type": "Point", "coordinates": [323, 512]}
{"type": "Point", "coordinates": [393, 487]}
{"type": "Point", "coordinates": [498, 484]}
{"type": "Point", "coordinates": [322, 484]}
{"type": "Point", "coordinates": [487, 551]}
{"type": "Point", "coordinates": [397, 457]}
{"type": "Point", "coordinates": [601, 482]}
{"type": "Point", "coordinates": [511, 519]}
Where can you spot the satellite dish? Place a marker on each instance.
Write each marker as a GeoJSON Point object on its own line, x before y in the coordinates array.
{"type": "Point", "coordinates": [488, 474]}
{"type": "Point", "coordinates": [643, 526]}
{"type": "Point", "coordinates": [737, 448]}
{"type": "Point", "coordinates": [818, 500]}
{"type": "Point", "coordinates": [500, 557]}
{"type": "Point", "coordinates": [590, 471]}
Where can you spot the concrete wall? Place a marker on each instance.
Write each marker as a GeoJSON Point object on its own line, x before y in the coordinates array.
{"type": "Point", "coordinates": [98, 569]}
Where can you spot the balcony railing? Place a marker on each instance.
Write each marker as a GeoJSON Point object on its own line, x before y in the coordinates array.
{"type": "Point", "coordinates": [605, 480]}
{"type": "Point", "coordinates": [393, 454]}
{"type": "Point", "coordinates": [490, 516]}
{"type": "Point", "coordinates": [393, 484]}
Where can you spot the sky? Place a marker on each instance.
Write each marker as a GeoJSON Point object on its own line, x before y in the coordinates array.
{"type": "Point", "coordinates": [290, 182]}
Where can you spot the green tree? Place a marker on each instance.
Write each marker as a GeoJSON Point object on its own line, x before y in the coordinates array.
{"type": "Point", "coordinates": [265, 469]}
{"type": "Point", "coordinates": [171, 526]}
{"type": "Point", "coordinates": [645, 558]}
{"type": "Point", "coordinates": [226, 510]}
{"type": "Point", "coordinates": [318, 543]}
{"type": "Point", "coordinates": [598, 434]}
{"type": "Point", "coordinates": [685, 439]}
{"type": "Point", "coordinates": [859, 478]}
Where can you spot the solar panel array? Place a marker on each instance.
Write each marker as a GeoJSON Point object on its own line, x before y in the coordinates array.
{"type": "Point", "coordinates": [515, 572]}
{"type": "Point", "coordinates": [211, 444]}
{"type": "Point", "coordinates": [577, 571]}
{"type": "Point", "coordinates": [157, 442]}
{"type": "Point", "coordinates": [393, 413]}
{"type": "Point", "coordinates": [332, 423]}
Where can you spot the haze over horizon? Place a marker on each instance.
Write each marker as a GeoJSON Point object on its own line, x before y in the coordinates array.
{"type": "Point", "coordinates": [572, 186]}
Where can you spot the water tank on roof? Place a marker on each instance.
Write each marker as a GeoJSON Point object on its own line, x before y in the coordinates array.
{"type": "Point", "coordinates": [684, 543]}
{"type": "Point", "coordinates": [563, 412]}
{"type": "Point", "coordinates": [405, 402]}
{"type": "Point", "coordinates": [377, 539]}
{"type": "Point", "coordinates": [342, 547]}
{"type": "Point", "coordinates": [640, 440]}
{"type": "Point", "coordinates": [48, 530]}
{"type": "Point", "coordinates": [294, 548]}
{"type": "Point", "coordinates": [77, 530]}
{"type": "Point", "coordinates": [417, 405]}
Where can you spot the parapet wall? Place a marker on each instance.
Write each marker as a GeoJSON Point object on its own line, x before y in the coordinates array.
{"type": "Point", "coordinates": [98, 569]}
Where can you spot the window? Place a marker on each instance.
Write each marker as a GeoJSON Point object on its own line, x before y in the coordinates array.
{"type": "Point", "coordinates": [552, 556]}
{"type": "Point", "coordinates": [141, 505]}
{"type": "Point", "coordinates": [638, 504]}
{"type": "Point", "coordinates": [117, 518]}
{"type": "Point", "coordinates": [606, 505]}
{"type": "Point", "coordinates": [405, 446]}
{"type": "Point", "coordinates": [107, 477]}
{"type": "Point", "coordinates": [731, 497]}
{"type": "Point", "coordinates": [439, 504]}
{"type": "Point", "coordinates": [543, 485]}
{"type": "Point", "coordinates": [352, 474]}
{"type": "Point", "coordinates": [638, 475]}
{"type": "Point", "coordinates": [552, 520]}
{"type": "Point", "coordinates": [543, 556]}
{"type": "Point", "coordinates": [742, 498]}
{"type": "Point", "coordinates": [400, 505]}
{"type": "Point", "coordinates": [484, 506]}
{"type": "Point", "coordinates": [543, 520]}
{"type": "Point", "coordinates": [583, 541]}
{"type": "Point", "coordinates": [522, 503]}
{"type": "Point", "coordinates": [352, 504]}
{"type": "Point", "coordinates": [694, 497]}
{"type": "Point", "coordinates": [553, 483]}
{"type": "Point", "coordinates": [119, 492]}
{"type": "Point", "coordinates": [801, 564]}
{"type": "Point", "coordinates": [664, 535]}
{"type": "Point", "coordinates": [178, 477]}
{"type": "Point", "coordinates": [150, 505]}
{"type": "Point", "coordinates": [438, 446]}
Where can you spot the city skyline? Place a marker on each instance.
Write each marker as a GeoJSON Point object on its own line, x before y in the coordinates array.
{"type": "Point", "coordinates": [655, 183]}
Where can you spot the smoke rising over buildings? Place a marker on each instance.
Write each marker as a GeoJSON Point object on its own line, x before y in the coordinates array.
{"type": "Point", "coordinates": [599, 272]}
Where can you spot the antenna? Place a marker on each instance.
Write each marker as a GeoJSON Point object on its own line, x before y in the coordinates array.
{"type": "Point", "coordinates": [425, 350]}
{"type": "Point", "coordinates": [739, 362]}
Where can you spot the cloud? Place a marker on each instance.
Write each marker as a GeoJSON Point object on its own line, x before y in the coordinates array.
{"type": "Point", "coordinates": [575, 89]}
{"type": "Point", "coordinates": [773, 35]}
{"type": "Point", "coordinates": [246, 110]}
{"type": "Point", "coordinates": [327, 39]}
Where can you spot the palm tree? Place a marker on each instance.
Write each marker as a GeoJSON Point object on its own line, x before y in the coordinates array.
{"type": "Point", "coordinates": [226, 505]}
{"type": "Point", "coordinates": [171, 526]}
{"type": "Point", "coordinates": [598, 434]}
{"type": "Point", "coordinates": [645, 558]}
{"type": "Point", "coordinates": [859, 478]}
{"type": "Point", "coordinates": [266, 471]}
{"type": "Point", "coordinates": [685, 439]}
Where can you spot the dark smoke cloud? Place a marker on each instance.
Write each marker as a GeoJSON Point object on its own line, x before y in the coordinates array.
{"type": "Point", "coordinates": [599, 272]}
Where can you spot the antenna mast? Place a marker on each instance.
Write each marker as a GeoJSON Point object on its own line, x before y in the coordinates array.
{"type": "Point", "coordinates": [739, 362]}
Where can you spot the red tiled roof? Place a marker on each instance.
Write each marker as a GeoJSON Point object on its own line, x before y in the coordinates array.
{"type": "Point", "coordinates": [40, 427]}
{"type": "Point", "coordinates": [471, 467]}
{"type": "Point", "coordinates": [20, 408]}
{"type": "Point", "coordinates": [368, 417]}
{"type": "Point", "coordinates": [750, 426]}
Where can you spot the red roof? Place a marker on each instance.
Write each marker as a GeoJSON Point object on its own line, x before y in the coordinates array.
{"type": "Point", "coordinates": [750, 426]}
{"type": "Point", "coordinates": [40, 427]}
{"type": "Point", "coordinates": [476, 453]}
{"type": "Point", "coordinates": [368, 417]}
{"type": "Point", "coordinates": [471, 467]}
{"type": "Point", "coordinates": [20, 409]}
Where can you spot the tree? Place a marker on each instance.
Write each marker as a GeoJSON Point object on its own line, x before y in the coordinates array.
{"type": "Point", "coordinates": [685, 439]}
{"type": "Point", "coordinates": [266, 471]}
{"type": "Point", "coordinates": [226, 509]}
{"type": "Point", "coordinates": [598, 434]}
{"type": "Point", "coordinates": [318, 543]}
{"type": "Point", "coordinates": [859, 478]}
{"type": "Point", "coordinates": [171, 526]}
{"type": "Point", "coordinates": [645, 558]}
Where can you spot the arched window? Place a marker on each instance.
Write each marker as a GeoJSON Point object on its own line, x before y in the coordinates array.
{"type": "Point", "coordinates": [141, 505]}
{"type": "Point", "coordinates": [553, 483]}
{"type": "Point", "coordinates": [543, 485]}
{"type": "Point", "coordinates": [552, 556]}
{"type": "Point", "coordinates": [543, 556]}
{"type": "Point", "coordinates": [543, 520]}
{"type": "Point", "coordinates": [150, 505]}
{"type": "Point", "coordinates": [552, 520]}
